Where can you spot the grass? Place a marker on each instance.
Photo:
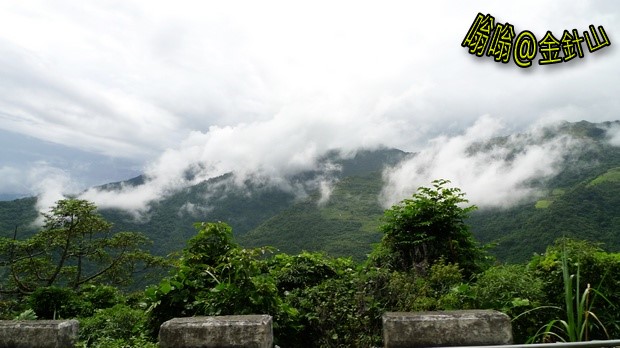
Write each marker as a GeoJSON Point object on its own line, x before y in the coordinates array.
{"type": "Point", "coordinates": [546, 203]}
{"type": "Point", "coordinates": [558, 192]}
{"type": "Point", "coordinates": [612, 175]}
{"type": "Point", "coordinates": [543, 204]}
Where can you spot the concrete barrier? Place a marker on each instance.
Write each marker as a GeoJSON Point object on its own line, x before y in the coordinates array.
{"type": "Point", "coordinates": [443, 329]}
{"type": "Point", "coordinates": [251, 331]}
{"type": "Point", "coordinates": [415, 329]}
{"type": "Point", "coordinates": [38, 333]}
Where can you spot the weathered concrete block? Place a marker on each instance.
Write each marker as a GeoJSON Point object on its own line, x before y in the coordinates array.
{"type": "Point", "coordinates": [449, 328]}
{"type": "Point", "coordinates": [38, 333]}
{"type": "Point", "coordinates": [252, 331]}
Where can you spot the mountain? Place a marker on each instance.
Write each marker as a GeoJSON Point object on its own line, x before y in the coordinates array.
{"type": "Point", "coordinates": [17, 214]}
{"type": "Point", "coordinates": [257, 208]}
{"type": "Point", "coordinates": [582, 200]}
{"type": "Point", "coordinates": [346, 225]}
{"type": "Point", "coordinates": [10, 196]}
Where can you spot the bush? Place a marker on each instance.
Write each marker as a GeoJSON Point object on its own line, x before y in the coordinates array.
{"type": "Point", "coordinates": [118, 326]}
{"type": "Point", "coordinates": [594, 266]}
{"type": "Point", "coordinates": [428, 228]}
{"type": "Point", "coordinates": [99, 297]}
{"type": "Point", "coordinates": [338, 312]}
{"type": "Point", "coordinates": [508, 288]}
{"type": "Point", "coordinates": [55, 303]}
{"type": "Point", "coordinates": [305, 269]}
{"type": "Point", "coordinates": [512, 289]}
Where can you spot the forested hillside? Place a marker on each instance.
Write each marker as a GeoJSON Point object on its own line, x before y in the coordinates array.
{"type": "Point", "coordinates": [347, 225]}
{"type": "Point", "coordinates": [582, 200]}
{"type": "Point", "coordinates": [418, 255]}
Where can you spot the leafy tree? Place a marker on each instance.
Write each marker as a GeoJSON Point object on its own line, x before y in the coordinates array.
{"type": "Point", "coordinates": [75, 247]}
{"type": "Point", "coordinates": [215, 276]}
{"type": "Point", "coordinates": [428, 227]}
{"type": "Point", "coordinates": [338, 312]}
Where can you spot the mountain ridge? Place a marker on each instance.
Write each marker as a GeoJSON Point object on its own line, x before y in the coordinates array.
{"type": "Point", "coordinates": [582, 195]}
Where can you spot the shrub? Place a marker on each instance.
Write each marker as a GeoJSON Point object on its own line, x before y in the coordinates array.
{"type": "Point", "coordinates": [512, 289]}
{"type": "Point", "coordinates": [55, 303]}
{"type": "Point", "coordinates": [99, 297]}
{"type": "Point", "coordinates": [118, 326]}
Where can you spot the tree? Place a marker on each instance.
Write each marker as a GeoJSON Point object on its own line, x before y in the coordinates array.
{"type": "Point", "coordinates": [214, 276]}
{"type": "Point", "coordinates": [428, 227]}
{"type": "Point", "coordinates": [75, 247]}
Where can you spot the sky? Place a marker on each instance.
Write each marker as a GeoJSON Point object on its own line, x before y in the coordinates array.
{"type": "Point", "coordinates": [99, 91]}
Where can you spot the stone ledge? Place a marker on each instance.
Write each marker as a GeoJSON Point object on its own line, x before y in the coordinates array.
{"type": "Point", "coordinates": [251, 331]}
{"type": "Point", "coordinates": [38, 333]}
{"type": "Point", "coordinates": [447, 328]}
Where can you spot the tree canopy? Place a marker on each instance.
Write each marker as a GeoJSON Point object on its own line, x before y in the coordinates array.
{"type": "Point", "coordinates": [75, 246]}
{"type": "Point", "coordinates": [427, 227]}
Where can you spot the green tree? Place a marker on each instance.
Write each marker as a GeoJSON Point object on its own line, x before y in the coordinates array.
{"type": "Point", "coordinates": [428, 227]}
{"type": "Point", "coordinates": [215, 276]}
{"type": "Point", "coordinates": [75, 247]}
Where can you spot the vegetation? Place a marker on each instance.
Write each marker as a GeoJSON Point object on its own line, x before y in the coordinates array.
{"type": "Point", "coordinates": [424, 257]}
{"type": "Point", "coordinates": [347, 225]}
{"type": "Point", "coordinates": [428, 227]}
{"type": "Point", "coordinates": [581, 201]}
{"type": "Point", "coordinates": [75, 247]}
{"type": "Point", "coordinates": [579, 318]}
{"type": "Point", "coordinates": [426, 260]}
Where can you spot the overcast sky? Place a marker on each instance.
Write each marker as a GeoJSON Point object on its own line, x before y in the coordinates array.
{"type": "Point", "coordinates": [99, 91]}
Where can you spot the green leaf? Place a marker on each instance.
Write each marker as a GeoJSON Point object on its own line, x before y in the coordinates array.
{"type": "Point", "coordinates": [165, 287]}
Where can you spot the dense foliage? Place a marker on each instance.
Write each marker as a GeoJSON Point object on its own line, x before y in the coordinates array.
{"type": "Point", "coordinates": [429, 226]}
{"type": "Point", "coordinates": [581, 200]}
{"type": "Point", "coordinates": [426, 260]}
{"type": "Point", "coordinates": [74, 247]}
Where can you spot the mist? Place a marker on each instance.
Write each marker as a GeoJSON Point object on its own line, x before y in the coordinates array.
{"type": "Point", "coordinates": [184, 92]}
{"type": "Point", "coordinates": [491, 174]}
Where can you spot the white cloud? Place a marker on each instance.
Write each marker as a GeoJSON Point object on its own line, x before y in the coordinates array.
{"type": "Point", "coordinates": [495, 175]}
{"type": "Point", "coordinates": [265, 89]}
{"type": "Point", "coordinates": [135, 78]}
{"type": "Point", "coordinates": [10, 180]}
{"type": "Point", "coordinates": [193, 210]}
{"type": "Point", "coordinates": [325, 190]}
{"type": "Point", "coordinates": [270, 152]}
{"type": "Point", "coordinates": [613, 134]}
{"type": "Point", "coordinates": [47, 182]}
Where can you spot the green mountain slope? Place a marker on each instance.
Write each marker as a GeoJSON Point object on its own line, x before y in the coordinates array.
{"type": "Point", "coordinates": [169, 222]}
{"type": "Point", "coordinates": [583, 200]}
{"type": "Point", "coordinates": [258, 208]}
{"type": "Point", "coordinates": [584, 211]}
{"type": "Point", "coordinates": [19, 213]}
{"type": "Point", "coordinates": [345, 226]}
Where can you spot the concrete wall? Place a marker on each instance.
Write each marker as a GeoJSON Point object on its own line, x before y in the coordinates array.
{"type": "Point", "coordinates": [38, 333]}
{"type": "Point", "coordinates": [415, 329]}
{"type": "Point", "coordinates": [249, 331]}
{"type": "Point", "coordinates": [443, 329]}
